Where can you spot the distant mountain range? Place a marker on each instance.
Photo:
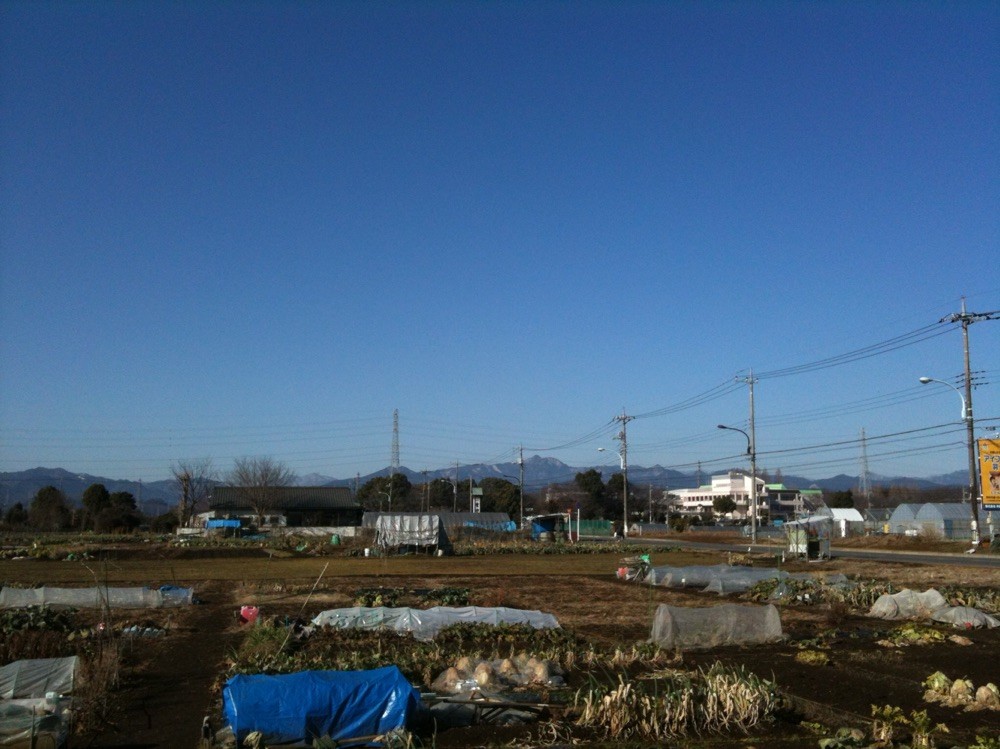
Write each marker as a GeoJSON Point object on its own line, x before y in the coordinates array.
{"type": "Point", "coordinates": [155, 497]}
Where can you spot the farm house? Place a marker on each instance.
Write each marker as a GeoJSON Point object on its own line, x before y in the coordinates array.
{"type": "Point", "coordinates": [291, 506]}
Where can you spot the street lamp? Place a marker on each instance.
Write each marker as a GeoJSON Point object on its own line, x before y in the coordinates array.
{"type": "Point", "coordinates": [965, 405]}
{"type": "Point", "coordinates": [753, 481]}
{"type": "Point", "coordinates": [970, 439]}
{"type": "Point", "coordinates": [624, 465]}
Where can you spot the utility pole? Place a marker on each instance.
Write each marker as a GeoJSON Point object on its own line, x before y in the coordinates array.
{"type": "Point", "coordinates": [520, 465]}
{"type": "Point", "coordinates": [623, 453]}
{"type": "Point", "coordinates": [426, 506]}
{"type": "Point", "coordinates": [752, 449]}
{"type": "Point", "coordinates": [966, 319]}
{"type": "Point", "coordinates": [454, 490]}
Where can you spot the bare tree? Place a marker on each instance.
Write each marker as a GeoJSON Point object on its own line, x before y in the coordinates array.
{"type": "Point", "coordinates": [256, 479]}
{"type": "Point", "coordinates": [194, 480]}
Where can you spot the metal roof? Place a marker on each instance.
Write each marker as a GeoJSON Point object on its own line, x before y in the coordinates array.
{"type": "Point", "coordinates": [944, 511]}
{"type": "Point", "coordinates": [904, 512]}
{"type": "Point", "coordinates": [294, 498]}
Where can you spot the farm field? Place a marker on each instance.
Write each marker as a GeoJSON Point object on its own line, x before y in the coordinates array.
{"type": "Point", "coordinates": [172, 682]}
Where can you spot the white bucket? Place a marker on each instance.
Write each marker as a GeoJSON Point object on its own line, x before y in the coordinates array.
{"type": "Point", "coordinates": [368, 552]}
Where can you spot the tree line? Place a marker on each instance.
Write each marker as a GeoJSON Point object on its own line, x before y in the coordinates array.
{"type": "Point", "coordinates": [257, 478]}
{"type": "Point", "coordinates": [100, 510]}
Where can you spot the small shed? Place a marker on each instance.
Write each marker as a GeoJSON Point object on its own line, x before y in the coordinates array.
{"type": "Point", "coordinates": [552, 527]}
{"type": "Point", "coordinates": [406, 532]}
{"type": "Point", "coordinates": [951, 520]}
{"type": "Point", "coordinates": [809, 537]}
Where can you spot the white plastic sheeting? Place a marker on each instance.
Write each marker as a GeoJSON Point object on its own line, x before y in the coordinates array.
{"type": "Point", "coordinates": [696, 576]}
{"type": "Point", "coordinates": [424, 624]}
{"type": "Point", "coordinates": [37, 677]}
{"type": "Point", "coordinates": [724, 579]}
{"type": "Point", "coordinates": [965, 617]}
{"type": "Point", "coordinates": [716, 578]}
{"type": "Point", "coordinates": [33, 723]}
{"type": "Point", "coordinates": [31, 709]}
{"type": "Point", "coordinates": [741, 579]}
{"type": "Point", "coordinates": [728, 624]}
{"type": "Point", "coordinates": [392, 531]}
{"type": "Point", "coordinates": [909, 604]}
{"type": "Point", "coordinates": [83, 598]}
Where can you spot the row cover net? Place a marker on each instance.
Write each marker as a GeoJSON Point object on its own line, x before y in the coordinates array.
{"type": "Point", "coordinates": [723, 578]}
{"type": "Point", "coordinates": [728, 624]}
{"type": "Point", "coordinates": [424, 624]}
{"type": "Point", "coordinates": [83, 598]}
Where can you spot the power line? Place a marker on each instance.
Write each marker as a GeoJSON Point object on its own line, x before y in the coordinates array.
{"type": "Point", "coordinates": [883, 347]}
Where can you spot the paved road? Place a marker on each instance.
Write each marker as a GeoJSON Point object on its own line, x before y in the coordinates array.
{"type": "Point", "coordinates": [912, 557]}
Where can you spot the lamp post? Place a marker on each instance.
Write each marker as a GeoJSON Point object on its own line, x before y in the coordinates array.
{"type": "Point", "coordinates": [751, 451]}
{"type": "Point", "coordinates": [971, 444]}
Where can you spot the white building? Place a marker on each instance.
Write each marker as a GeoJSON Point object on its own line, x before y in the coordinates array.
{"type": "Point", "coordinates": [735, 484]}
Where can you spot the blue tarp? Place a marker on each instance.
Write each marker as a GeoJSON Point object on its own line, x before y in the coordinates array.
{"type": "Point", "coordinates": [310, 704]}
{"type": "Point", "coordinates": [219, 523]}
{"type": "Point", "coordinates": [508, 525]}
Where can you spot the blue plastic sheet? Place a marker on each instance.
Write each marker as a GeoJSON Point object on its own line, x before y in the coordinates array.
{"type": "Point", "coordinates": [220, 523]}
{"type": "Point", "coordinates": [299, 707]}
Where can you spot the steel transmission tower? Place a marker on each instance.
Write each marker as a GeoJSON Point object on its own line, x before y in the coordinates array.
{"type": "Point", "coordinates": [864, 479]}
{"type": "Point", "coordinates": [394, 459]}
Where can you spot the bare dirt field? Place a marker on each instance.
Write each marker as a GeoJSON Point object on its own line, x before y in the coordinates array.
{"type": "Point", "coordinates": [174, 681]}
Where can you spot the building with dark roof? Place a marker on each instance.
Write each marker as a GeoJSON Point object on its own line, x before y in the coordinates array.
{"type": "Point", "coordinates": [295, 506]}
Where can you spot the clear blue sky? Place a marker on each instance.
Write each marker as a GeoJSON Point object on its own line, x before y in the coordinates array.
{"type": "Point", "coordinates": [257, 228]}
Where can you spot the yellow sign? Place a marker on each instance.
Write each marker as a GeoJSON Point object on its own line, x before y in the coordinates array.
{"type": "Point", "coordinates": [989, 473]}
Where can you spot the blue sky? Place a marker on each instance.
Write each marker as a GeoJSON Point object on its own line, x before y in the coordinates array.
{"type": "Point", "coordinates": [257, 228]}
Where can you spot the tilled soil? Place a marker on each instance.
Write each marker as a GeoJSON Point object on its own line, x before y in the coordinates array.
{"type": "Point", "coordinates": [174, 681]}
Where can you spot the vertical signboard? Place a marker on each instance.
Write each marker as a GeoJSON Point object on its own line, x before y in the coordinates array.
{"type": "Point", "coordinates": [989, 472]}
